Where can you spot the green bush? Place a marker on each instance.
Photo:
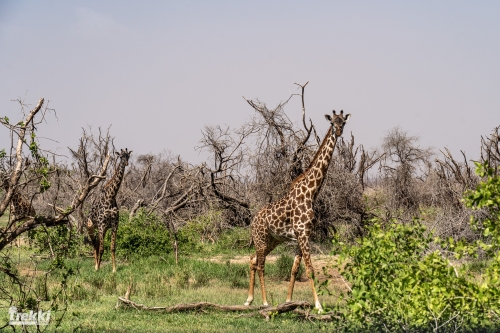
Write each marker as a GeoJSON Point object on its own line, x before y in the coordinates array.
{"type": "Point", "coordinates": [397, 282]}
{"type": "Point", "coordinates": [58, 240]}
{"type": "Point", "coordinates": [235, 240]}
{"type": "Point", "coordinates": [198, 232]}
{"type": "Point", "coordinates": [144, 235]}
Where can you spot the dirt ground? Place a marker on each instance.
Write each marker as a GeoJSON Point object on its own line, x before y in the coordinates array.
{"type": "Point", "coordinates": [319, 261]}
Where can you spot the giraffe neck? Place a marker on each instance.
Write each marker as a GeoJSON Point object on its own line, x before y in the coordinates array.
{"type": "Point", "coordinates": [16, 196]}
{"type": "Point", "coordinates": [113, 185]}
{"type": "Point", "coordinates": [315, 174]}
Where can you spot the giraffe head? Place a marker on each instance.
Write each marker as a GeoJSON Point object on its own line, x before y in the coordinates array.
{"type": "Point", "coordinates": [337, 122]}
{"type": "Point", "coordinates": [124, 155]}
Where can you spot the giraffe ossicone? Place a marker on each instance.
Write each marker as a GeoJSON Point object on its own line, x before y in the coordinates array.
{"type": "Point", "coordinates": [104, 212]}
{"type": "Point", "coordinates": [292, 217]}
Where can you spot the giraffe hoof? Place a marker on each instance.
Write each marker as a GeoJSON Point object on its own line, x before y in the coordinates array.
{"type": "Point", "coordinates": [265, 304]}
{"type": "Point", "coordinates": [247, 303]}
{"type": "Point", "coordinates": [319, 307]}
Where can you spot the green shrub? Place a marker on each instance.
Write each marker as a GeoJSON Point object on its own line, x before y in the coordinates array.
{"type": "Point", "coordinates": [109, 284]}
{"type": "Point", "coordinates": [204, 229]}
{"type": "Point", "coordinates": [144, 235]}
{"type": "Point", "coordinates": [58, 240]}
{"type": "Point", "coordinates": [235, 240]}
{"type": "Point", "coordinates": [398, 284]}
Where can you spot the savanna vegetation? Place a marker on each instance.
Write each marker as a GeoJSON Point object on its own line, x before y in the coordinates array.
{"type": "Point", "coordinates": [406, 238]}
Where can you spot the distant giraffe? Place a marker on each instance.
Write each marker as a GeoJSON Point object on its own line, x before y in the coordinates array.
{"type": "Point", "coordinates": [20, 206]}
{"type": "Point", "coordinates": [292, 217]}
{"type": "Point", "coordinates": [104, 212]}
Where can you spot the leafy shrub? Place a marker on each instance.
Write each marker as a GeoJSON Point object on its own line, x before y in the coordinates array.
{"type": "Point", "coordinates": [233, 240]}
{"type": "Point", "coordinates": [109, 285]}
{"type": "Point", "coordinates": [201, 230]}
{"type": "Point", "coordinates": [144, 235]}
{"type": "Point", "coordinates": [398, 284]}
{"type": "Point", "coordinates": [96, 280]}
{"type": "Point", "coordinates": [58, 240]}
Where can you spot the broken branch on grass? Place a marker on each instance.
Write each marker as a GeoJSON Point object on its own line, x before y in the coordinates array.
{"type": "Point", "coordinates": [187, 307]}
{"type": "Point", "coordinates": [257, 310]}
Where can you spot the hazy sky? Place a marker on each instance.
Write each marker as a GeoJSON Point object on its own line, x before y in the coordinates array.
{"type": "Point", "coordinates": [158, 71]}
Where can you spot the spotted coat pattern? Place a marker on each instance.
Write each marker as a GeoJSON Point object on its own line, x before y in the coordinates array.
{"type": "Point", "coordinates": [104, 212]}
{"type": "Point", "coordinates": [20, 206]}
{"type": "Point", "coordinates": [292, 217]}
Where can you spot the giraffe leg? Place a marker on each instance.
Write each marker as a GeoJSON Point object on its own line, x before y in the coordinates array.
{"type": "Point", "coordinates": [101, 251]}
{"type": "Point", "coordinates": [293, 276]}
{"type": "Point", "coordinates": [304, 247]}
{"type": "Point", "coordinates": [253, 268]}
{"type": "Point", "coordinates": [96, 255]}
{"type": "Point", "coordinates": [93, 240]}
{"type": "Point", "coordinates": [261, 264]}
{"type": "Point", "coordinates": [261, 261]}
{"type": "Point", "coordinates": [113, 245]}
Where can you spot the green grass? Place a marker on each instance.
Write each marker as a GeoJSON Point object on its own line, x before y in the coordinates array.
{"type": "Point", "coordinates": [216, 272]}
{"type": "Point", "coordinates": [159, 281]}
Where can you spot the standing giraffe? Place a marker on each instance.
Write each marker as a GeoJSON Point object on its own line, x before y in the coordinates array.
{"type": "Point", "coordinates": [20, 206]}
{"type": "Point", "coordinates": [292, 217]}
{"type": "Point", "coordinates": [104, 212]}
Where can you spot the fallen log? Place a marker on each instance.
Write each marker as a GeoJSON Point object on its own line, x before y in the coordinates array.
{"type": "Point", "coordinates": [327, 316]}
{"type": "Point", "coordinates": [301, 308]}
{"type": "Point", "coordinates": [188, 306]}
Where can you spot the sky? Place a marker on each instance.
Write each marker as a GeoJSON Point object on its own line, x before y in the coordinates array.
{"type": "Point", "coordinates": [157, 72]}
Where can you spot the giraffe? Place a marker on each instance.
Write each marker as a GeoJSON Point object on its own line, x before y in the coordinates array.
{"type": "Point", "coordinates": [292, 217]}
{"type": "Point", "coordinates": [20, 206]}
{"type": "Point", "coordinates": [104, 212]}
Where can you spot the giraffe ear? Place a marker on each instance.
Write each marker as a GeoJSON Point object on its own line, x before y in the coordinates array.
{"type": "Point", "coordinates": [347, 116]}
{"type": "Point", "coordinates": [328, 117]}
{"type": "Point", "coordinates": [117, 153]}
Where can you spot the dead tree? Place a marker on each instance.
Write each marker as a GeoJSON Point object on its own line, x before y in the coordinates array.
{"type": "Point", "coordinates": [226, 180]}
{"type": "Point", "coordinates": [454, 178]}
{"type": "Point", "coordinates": [23, 167]}
{"type": "Point", "coordinates": [92, 152]}
{"type": "Point", "coordinates": [401, 166]}
{"type": "Point", "coordinates": [281, 151]}
{"type": "Point", "coordinates": [490, 149]}
{"type": "Point", "coordinates": [341, 201]}
{"type": "Point", "coordinates": [347, 158]}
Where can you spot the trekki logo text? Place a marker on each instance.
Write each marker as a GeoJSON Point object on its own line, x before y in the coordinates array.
{"type": "Point", "coordinates": [28, 318]}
